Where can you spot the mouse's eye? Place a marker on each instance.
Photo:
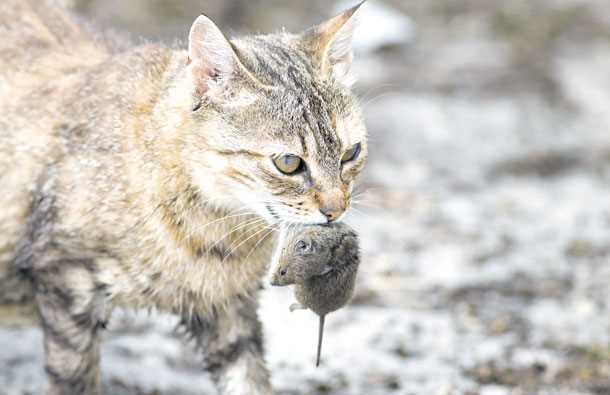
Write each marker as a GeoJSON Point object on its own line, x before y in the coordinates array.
{"type": "Point", "coordinates": [301, 246]}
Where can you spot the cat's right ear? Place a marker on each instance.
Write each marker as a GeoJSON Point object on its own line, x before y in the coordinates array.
{"type": "Point", "coordinates": [330, 45]}
{"type": "Point", "coordinates": [211, 59]}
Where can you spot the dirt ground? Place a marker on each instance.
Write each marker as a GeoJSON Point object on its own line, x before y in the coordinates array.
{"type": "Point", "coordinates": [484, 213]}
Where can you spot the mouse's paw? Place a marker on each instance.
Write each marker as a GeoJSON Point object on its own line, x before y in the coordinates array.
{"type": "Point", "coordinates": [297, 306]}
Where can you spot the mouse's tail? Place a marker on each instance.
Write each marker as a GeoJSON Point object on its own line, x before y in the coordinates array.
{"type": "Point", "coordinates": [320, 335]}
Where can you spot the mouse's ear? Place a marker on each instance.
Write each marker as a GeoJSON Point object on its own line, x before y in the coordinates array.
{"type": "Point", "coordinates": [302, 246]}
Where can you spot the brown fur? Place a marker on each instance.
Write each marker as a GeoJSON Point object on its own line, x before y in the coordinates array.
{"type": "Point", "coordinates": [122, 184]}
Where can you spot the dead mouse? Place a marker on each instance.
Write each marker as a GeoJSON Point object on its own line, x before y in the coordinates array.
{"type": "Point", "coordinates": [322, 261]}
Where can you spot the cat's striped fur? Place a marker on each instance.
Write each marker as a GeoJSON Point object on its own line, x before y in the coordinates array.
{"type": "Point", "coordinates": [144, 179]}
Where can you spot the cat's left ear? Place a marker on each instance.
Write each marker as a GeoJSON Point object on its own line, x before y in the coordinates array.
{"type": "Point", "coordinates": [211, 59]}
{"type": "Point", "coordinates": [330, 45]}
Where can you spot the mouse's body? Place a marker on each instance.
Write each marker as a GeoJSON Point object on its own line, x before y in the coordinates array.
{"type": "Point", "coordinates": [322, 261]}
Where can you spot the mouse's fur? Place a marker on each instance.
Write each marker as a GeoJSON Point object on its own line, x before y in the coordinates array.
{"type": "Point", "coordinates": [322, 260]}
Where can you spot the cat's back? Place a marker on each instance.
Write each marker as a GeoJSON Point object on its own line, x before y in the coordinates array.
{"type": "Point", "coordinates": [42, 52]}
{"type": "Point", "coordinates": [63, 93]}
{"type": "Point", "coordinates": [41, 41]}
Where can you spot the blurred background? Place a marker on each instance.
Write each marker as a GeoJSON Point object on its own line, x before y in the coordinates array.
{"type": "Point", "coordinates": [484, 212]}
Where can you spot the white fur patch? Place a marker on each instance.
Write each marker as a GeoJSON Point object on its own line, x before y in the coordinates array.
{"type": "Point", "coordinates": [276, 255]}
{"type": "Point", "coordinates": [237, 378]}
{"type": "Point", "coordinates": [208, 46]}
{"type": "Point", "coordinates": [242, 378]}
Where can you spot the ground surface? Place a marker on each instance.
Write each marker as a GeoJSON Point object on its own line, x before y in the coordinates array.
{"type": "Point", "coordinates": [485, 219]}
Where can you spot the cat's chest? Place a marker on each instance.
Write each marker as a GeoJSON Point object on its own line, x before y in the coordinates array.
{"type": "Point", "coordinates": [198, 272]}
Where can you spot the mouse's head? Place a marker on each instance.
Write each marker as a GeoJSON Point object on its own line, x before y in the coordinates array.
{"type": "Point", "coordinates": [307, 251]}
{"type": "Point", "coordinates": [300, 257]}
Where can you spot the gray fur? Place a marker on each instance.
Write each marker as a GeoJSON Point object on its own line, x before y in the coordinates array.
{"type": "Point", "coordinates": [224, 351]}
{"type": "Point", "coordinates": [322, 260]}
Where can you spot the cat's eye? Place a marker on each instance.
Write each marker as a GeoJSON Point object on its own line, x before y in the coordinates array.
{"type": "Point", "coordinates": [288, 164]}
{"type": "Point", "coordinates": [351, 153]}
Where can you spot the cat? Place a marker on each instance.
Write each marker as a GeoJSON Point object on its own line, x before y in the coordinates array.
{"type": "Point", "coordinates": [155, 177]}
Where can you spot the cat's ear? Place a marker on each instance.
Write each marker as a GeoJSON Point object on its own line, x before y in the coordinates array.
{"type": "Point", "coordinates": [211, 59]}
{"type": "Point", "coordinates": [330, 44]}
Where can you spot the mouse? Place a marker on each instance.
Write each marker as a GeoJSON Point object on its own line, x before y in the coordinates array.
{"type": "Point", "coordinates": [322, 262]}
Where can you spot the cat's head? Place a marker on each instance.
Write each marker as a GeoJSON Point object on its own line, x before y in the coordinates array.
{"type": "Point", "coordinates": [279, 130]}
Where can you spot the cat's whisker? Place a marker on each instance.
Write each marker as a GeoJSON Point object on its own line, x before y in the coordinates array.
{"type": "Point", "coordinates": [362, 213]}
{"type": "Point", "coordinates": [368, 102]}
{"type": "Point", "coordinates": [360, 200]}
{"type": "Point", "coordinates": [349, 216]}
{"type": "Point", "coordinates": [244, 241]}
{"type": "Point", "coordinates": [366, 195]}
{"type": "Point", "coordinates": [366, 203]}
{"type": "Point", "coordinates": [375, 90]}
{"type": "Point", "coordinates": [362, 197]}
{"type": "Point", "coordinates": [273, 229]}
{"type": "Point", "coordinates": [238, 240]}
{"type": "Point", "coordinates": [289, 214]}
{"type": "Point", "coordinates": [242, 225]}
{"type": "Point", "coordinates": [365, 189]}
{"type": "Point", "coordinates": [293, 219]}
{"type": "Point", "coordinates": [239, 212]}
{"type": "Point", "coordinates": [284, 208]}
{"type": "Point", "coordinates": [226, 217]}
{"type": "Point", "coordinates": [148, 216]}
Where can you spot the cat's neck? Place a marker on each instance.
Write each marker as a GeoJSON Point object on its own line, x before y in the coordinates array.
{"type": "Point", "coordinates": [194, 207]}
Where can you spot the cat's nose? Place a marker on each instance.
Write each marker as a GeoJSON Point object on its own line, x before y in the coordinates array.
{"type": "Point", "coordinates": [333, 210]}
{"type": "Point", "coordinates": [331, 214]}
{"type": "Point", "coordinates": [332, 204]}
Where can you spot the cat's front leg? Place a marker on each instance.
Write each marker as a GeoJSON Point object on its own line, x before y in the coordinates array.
{"type": "Point", "coordinates": [231, 340]}
{"type": "Point", "coordinates": [71, 312]}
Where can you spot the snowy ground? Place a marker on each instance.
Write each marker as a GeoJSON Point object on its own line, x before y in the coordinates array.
{"type": "Point", "coordinates": [484, 218]}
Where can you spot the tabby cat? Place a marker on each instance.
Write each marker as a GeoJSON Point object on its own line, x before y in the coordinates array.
{"type": "Point", "coordinates": [155, 177]}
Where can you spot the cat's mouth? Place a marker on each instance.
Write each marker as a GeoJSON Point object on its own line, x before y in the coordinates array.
{"type": "Point", "coordinates": [279, 214]}
{"type": "Point", "coordinates": [272, 213]}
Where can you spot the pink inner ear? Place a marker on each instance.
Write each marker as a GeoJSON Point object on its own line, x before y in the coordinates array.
{"type": "Point", "coordinates": [202, 74]}
{"type": "Point", "coordinates": [210, 56]}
